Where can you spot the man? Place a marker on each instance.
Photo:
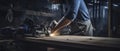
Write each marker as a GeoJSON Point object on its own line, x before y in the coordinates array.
{"type": "Point", "coordinates": [77, 9]}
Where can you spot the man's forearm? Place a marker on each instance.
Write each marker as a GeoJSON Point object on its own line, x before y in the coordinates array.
{"type": "Point", "coordinates": [64, 22]}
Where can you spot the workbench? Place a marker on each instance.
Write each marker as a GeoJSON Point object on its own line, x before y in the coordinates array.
{"type": "Point", "coordinates": [76, 43]}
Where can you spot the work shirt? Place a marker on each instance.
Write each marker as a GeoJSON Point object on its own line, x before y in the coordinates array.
{"type": "Point", "coordinates": [77, 9]}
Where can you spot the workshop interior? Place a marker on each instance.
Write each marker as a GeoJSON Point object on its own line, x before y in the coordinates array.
{"type": "Point", "coordinates": [21, 19]}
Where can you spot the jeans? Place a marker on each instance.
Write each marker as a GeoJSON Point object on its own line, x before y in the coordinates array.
{"type": "Point", "coordinates": [89, 27]}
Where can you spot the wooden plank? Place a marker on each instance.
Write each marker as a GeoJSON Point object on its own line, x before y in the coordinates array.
{"type": "Point", "coordinates": [93, 41]}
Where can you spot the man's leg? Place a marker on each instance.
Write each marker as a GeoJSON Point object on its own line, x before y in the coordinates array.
{"type": "Point", "coordinates": [89, 28]}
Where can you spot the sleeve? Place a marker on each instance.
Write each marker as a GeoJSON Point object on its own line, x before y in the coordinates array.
{"type": "Point", "coordinates": [73, 9]}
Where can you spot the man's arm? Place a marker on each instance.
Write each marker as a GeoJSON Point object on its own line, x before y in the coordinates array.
{"type": "Point", "coordinates": [64, 22]}
{"type": "Point", "coordinates": [70, 16]}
